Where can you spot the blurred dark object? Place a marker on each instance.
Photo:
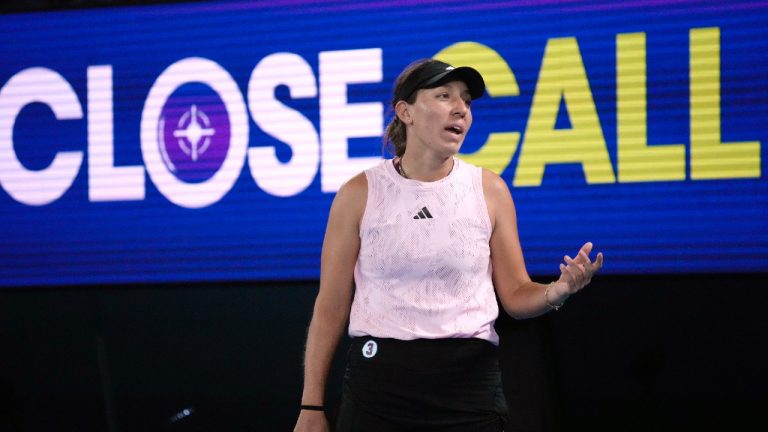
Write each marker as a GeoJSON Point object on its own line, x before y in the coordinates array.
{"type": "Point", "coordinates": [9, 420]}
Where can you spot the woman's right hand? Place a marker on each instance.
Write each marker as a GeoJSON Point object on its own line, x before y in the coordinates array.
{"type": "Point", "coordinates": [312, 421]}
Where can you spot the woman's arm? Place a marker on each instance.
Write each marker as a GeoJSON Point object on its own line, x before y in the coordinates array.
{"type": "Point", "coordinates": [518, 294]}
{"type": "Point", "coordinates": [340, 249]}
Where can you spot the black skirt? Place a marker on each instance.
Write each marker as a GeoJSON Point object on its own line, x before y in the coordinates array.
{"type": "Point", "coordinates": [422, 385]}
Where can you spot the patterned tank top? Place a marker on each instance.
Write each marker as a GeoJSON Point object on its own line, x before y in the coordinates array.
{"type": "Point", "coordinates": [424, 267]}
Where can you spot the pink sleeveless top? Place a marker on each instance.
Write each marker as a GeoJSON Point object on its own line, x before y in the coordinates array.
{"type": "Point", "coordinates": [424, 268]}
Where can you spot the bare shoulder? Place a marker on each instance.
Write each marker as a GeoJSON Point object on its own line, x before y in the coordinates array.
{"type": "Point", "coordinates": [495, 188]}
{"type": "Point", "coordinates": [352, 196]}
{"type": "Point", "coordinates": [354, 189]}
{"type": "Point", "coordinates": [497, 196]}
{"type": "Point", "coordinates": [493, 184]}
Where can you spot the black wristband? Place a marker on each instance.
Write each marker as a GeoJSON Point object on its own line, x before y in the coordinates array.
{"type": "Point", "coordinates": [313, 407]}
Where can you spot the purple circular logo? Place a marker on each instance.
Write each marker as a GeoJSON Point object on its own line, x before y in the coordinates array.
{"type": "Point", "coordinates": [194, 133]}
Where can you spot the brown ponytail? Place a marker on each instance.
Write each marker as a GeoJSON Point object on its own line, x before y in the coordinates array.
{"type": "Point", "coordinates": [395, 134]}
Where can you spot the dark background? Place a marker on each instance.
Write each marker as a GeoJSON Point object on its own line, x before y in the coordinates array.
{"type": "Point", "coordinates": [627, 353]}
{"type": "Point", "coordinates": [641, 352]}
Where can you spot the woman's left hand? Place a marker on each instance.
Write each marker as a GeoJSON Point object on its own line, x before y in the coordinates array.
{"type": "Point", "coordinates": [575, 274]}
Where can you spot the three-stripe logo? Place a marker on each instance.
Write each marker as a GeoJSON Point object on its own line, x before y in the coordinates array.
{"type": "Point", "coordinates": [423, 214]}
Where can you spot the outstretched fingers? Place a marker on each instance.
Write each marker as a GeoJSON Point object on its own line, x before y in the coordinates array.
{"type": "Point", "coordinates": [577, 272]}
{"type": "Point", "coordinates": [583, 258]}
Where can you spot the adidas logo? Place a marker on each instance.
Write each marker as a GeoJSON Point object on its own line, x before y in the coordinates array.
{"type": "Point", "coordinates": [423, 214]}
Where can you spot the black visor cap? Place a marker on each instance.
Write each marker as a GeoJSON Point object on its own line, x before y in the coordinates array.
{"type": "Point", "coordinates": [436, 73]}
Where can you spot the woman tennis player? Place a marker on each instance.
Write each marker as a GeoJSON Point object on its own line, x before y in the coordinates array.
{"type": "Point", "coordinates": [416, 251]}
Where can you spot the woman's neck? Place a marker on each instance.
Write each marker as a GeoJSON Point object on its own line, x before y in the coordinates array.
{"type": "Point", "coordinates": [424, 168]}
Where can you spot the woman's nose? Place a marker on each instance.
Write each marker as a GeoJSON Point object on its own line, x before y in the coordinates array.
{"type": "Point", "coordinates": [460, 108]}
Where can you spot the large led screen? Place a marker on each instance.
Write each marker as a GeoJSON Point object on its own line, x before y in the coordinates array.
{"type": "Point", "coordinates": [206, 141]}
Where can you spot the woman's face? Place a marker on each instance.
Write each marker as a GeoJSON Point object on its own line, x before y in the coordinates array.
{"type": "Point", "coordinates": [440, 118]}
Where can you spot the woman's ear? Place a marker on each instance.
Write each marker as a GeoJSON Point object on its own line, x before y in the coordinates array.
{"type": "Point", "coordinates": [401, 109]}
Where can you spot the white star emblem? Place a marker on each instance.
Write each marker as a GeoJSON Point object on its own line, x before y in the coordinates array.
{"type": "Point", "coordinates": [194, 132]}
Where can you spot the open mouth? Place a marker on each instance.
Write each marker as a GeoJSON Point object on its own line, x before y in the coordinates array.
{"type": "Point", "coordinates": [455, 129]}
